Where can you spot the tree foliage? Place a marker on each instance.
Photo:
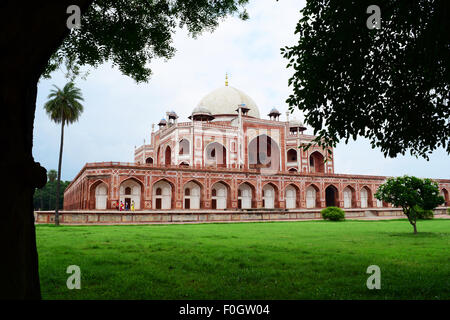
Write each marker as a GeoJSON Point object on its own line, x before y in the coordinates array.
{"type": "Point", "coordinates": [423, 214]}
{"type": "Point", "coordinates": [389, 85]}
{"type": "Point", "coordinates": [131, 33]}
{"type": "Point", "coordinates": [64, 104]}
{"type": "Point", "coordinates": [52, 174]}
{"type": "Point", "coordinates": [45, 198]}
{"type": "Point", "coordinates": [410, 193]}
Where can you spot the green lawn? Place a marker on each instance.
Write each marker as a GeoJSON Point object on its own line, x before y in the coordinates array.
{"type": "Point", "coordinates": [272, 260]}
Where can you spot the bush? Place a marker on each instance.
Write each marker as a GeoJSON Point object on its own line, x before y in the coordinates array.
{"type": "Point", "coordinates": [333, 214]}
{"type": "Point", "coordinates": [448, 210]}
{"type": "Point", "coordinates": [423, 214]}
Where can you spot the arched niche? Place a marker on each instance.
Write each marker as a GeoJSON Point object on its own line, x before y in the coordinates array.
{"type": "Point", "coordinates": [312, 196]}
{"type": "Point", "coordinates": [216, 155]}
{"type": "Point", "coordinates": [331, 196]}
{"type": "Point", "coordinates": [292, 195]}
{"type": "Point", "coordinates": [264, 152]}
{"type": "Point", "coordinates": [192, 195]}
{"type": "Point", "coordinates": [219, 196]}
{"type": "Point", "coordinates": [246, 196]}
{"type": "Point", "coordinates": [130, 192]}
{"type": "Point", "coordinates": [162, 192]}
{"type": "Point", "coordinates": [316, 162]}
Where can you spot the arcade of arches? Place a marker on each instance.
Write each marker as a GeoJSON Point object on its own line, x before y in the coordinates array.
{"type": "Point", "coordinates": [153, 188]}
{"type": "Point", "coordinates": [226, 194]}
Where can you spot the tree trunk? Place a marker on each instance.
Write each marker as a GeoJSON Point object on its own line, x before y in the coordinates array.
{"type": "Point", "coordinates": [58, 182]}
{"type": "Point", "coordinates": [30, 33]}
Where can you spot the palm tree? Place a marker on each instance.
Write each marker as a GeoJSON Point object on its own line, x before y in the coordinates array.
{"type": "Point", "coordinates": [63, 107]}
{"type": "Point", "coordinates": [52, 174]}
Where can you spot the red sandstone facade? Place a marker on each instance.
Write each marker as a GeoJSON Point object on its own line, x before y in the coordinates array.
{"type": "Point", "coordinates": [226, 157]}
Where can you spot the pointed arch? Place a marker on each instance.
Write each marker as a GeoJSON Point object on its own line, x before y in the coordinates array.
{"type": "Point", "coordinates": [444, 193]}
{"type": "Point", "coordinates": [158, 156]}
{"type": "Point", "coordinates": [220, 195]}
{"type": "Point", "coordinates": [291, 155]}
{"type": "Point", "coordinates": [216, 155]}
{"type": "Point", "coordinates": [168, 156]}
{"type": "Point", "coordinates": [331, 196]}
{"type": "Point", "coordinates": [292, 196]}
{"type": "Point", "coordinates": [316, 162]}
{"type": "Point", "coordinates": [270, 195]}
{"type": "Point", "coordinates": [312, 196]}
{"type": "Point", "coordinates": [163, 192]}
{"type": "Point", "coordinates": [131, 190]}
{"type": "Point", "coordinates": [263, 152]}
{"type": "Point", "coordinates": [98, 200]}
{"type": "Point", "coordinates": [349, 197]}
{"type": "Point", "coordinates": [246, 195]}
{"type": "Point", "coordinates": [184, 147]}
{"type": "Point", "coordinates": [193, 194]}
{"type": "Point", "coordinates": [366, 197]}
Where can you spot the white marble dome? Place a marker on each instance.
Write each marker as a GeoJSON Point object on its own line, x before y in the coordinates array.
{"type": "Point", "coordinates": [225, 101]}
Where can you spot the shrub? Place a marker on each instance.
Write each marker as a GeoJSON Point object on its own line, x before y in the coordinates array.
{"type": "Point", "coordinates": [448, 210]}
{"type": "Point", "coordinates": [423, 214]}
{"type": "Point", "coordinates": [333, 214]}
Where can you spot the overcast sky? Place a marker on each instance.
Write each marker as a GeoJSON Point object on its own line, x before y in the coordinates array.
{"type": "Point", "coordinates": [119, 113]}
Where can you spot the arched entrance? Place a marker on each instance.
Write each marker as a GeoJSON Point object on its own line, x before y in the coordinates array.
{"type": "Point", "coordinates": [291, 197]}
{"type": "Point", "coordinates": [130, 192]}
{"type": "Point", "coordinates": [316, 162]}
{"type": "Point", "coordinates": [312, 197]}
{"type": "Point", "coordinates": [168, 156]}
{"type": "Point", "coordinates": [192, 195]}
{"type": "Point", "coordinates": [245, 196]}
{"type": "Point", "coordinates": [263, 152]}
{"type": "Point", "coordinates": [444, 193]}
{"type": "Point", "coordinates": [331, 196]}
{"type": "Point", "coordinates": [162, 195]}
{"type": "Point", "coordinates": [349, 197]}
{"type": "Point", "coordinates": [184, 148]}
{"type": "Point", "coordinates": [366, 198]}
{"type": "Point", "coordinates": [219, 196]}
{"type": "Point", "coordinates": [268, 196]}
{"type": "Point", "coordinates": [149, 160]}
{"type": "Point", "coordinates": [292, 155]}
{"type": "Point", "coordinates": [216, 155]}
{"type": "Point", "coordinates": [101, 196]}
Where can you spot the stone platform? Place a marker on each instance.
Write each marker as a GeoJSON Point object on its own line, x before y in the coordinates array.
{"type": "Point", "coordinates": [204, 216]}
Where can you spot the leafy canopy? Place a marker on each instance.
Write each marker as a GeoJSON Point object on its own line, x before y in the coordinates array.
{"type": "Point", "coordinates": [410, 192]}
{"type": "Point", "coordinates": [45, 198]}
{"type": "Point", "coordinates": [130, 33]}
{"type": "Point", "coordinates": [64, 104]}
{"type": "Point", "coordinates": [52, 174]}
{"type": "Point", "coordinates": [389, 85]}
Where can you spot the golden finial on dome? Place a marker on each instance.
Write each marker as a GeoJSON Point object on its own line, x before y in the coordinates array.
{"type": "Point", "coordinates": [226, 79]}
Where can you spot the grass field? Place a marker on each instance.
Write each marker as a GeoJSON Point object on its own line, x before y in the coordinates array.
{"type": "Point", "coordinates": [272, 260]}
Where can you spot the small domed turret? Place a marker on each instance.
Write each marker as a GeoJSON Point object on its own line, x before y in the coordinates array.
{"type": "Point", "coordinates": [274, 114]}
{"type": "Point", "coordinates": [296, 125]}
{"type": "Point", "coordinates": [162, 123]}
{"type": "Point", "coordinates": [201, 113]}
